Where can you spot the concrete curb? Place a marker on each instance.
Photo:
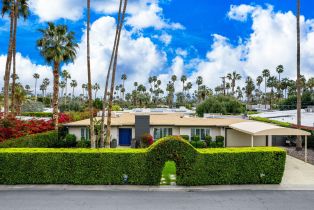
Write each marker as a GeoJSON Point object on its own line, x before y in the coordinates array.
{"type": "Point", "coordinates": [113, 188]}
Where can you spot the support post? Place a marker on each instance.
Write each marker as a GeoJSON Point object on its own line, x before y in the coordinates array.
{"type": "Point", "coordinates": [252, 141]}
{"type": "Point", "coordinates": [305, 150]}
{"type": "Point", "coordinates": [270, 140]}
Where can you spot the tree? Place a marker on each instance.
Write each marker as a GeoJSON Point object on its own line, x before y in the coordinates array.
{"type": "Point", "coordinates": [36, 77]}
{"type": "Point", "coordinates": [233, 77]}
{"type": "Point", "coordinates": [183, 80]}
{"type": "Point", "coordinates": [15, 9]}
{"type": "Point", "coordinates": [57, 46]}
{"type": "Point", "coordinates": [123, 78]}
{"type": "Point", "coordinates": [265, 75]}
{"type": "Point", "coordinates": [299, 139]}
{"type": "Point", "coordinates": [114, 68]}
{"type": "Point", "coordinates": [249, 88]}
{"type": "Point", "coordinates": [62, 86]}
{"type": "Point", "coordinates": [96, 88]}
{"type": "Point", "coordinates": [310, 83]}
{"type": "Point", "coordinates": [279, 70]}
{"type": "Point", "coordinates": [259, 81]}
{"type": "Point", "coordinates": [66, 75]}
{"type": "Point", "coordinates": [73, 85]}
{"type": "Point", "coordinates": [84, 87]}
{"type": "Point", "coordinates": [271, 83]}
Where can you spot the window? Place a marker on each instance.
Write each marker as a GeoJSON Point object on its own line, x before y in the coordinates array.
{"type": "Point", "coordinates": [85, 133]}
{"type": "Point", "coordinates": [201, 132]}
{"type": "Point", "coordinates": [162, 132]}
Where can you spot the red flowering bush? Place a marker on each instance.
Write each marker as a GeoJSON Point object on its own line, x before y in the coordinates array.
{"type": "Point", "coordinates": [11, 127]}
{"type": "Point", "coordinates": [147, 140]}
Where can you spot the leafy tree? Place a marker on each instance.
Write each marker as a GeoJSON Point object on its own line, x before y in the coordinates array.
{"type": "Point", "coordinates": [57, 46]}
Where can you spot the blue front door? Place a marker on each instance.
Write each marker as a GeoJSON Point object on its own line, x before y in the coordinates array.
{"type": "Point", "coordinates": [125, 136]}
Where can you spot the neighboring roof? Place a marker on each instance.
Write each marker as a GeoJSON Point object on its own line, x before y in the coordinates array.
{"type": "Point", "coordinates": [175, 119]}
{"type": "Point", "coordinates": [261, 129]}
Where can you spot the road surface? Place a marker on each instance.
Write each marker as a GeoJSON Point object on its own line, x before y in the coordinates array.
{"type": "Point", "coordinates": [129, 200]}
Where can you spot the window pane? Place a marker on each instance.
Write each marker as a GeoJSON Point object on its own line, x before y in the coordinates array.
{"type": "Point", "coordinates": [170, 131]}
{"type": "Point", "coordinates": [82, 132]}
{"type": "Point", "coordinates": [192, 132]}
{"type": "Point", "coordinates": [207, 132]}
{"type": "Point", "coordinates": [202, 134]}
{"type": "Point", "coordinates": [198, 133]}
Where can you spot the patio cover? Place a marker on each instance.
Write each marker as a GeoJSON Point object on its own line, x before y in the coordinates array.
{"type": "Point", "coordinates": [264, 129]}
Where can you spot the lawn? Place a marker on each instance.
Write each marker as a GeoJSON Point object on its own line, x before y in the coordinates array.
{"type": "Point", "coordinates": [169, 174]}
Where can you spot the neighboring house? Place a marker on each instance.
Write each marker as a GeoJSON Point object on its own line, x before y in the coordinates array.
{"type": "Point", "coordinates": [237, 132]}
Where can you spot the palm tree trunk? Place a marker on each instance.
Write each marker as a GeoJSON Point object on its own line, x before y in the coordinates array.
{"type": "Point", "coordinates": [265, 99]}
{"type": "Point", "coordinates": [36, 89]}
{"type": "Point", "coordinates": [8, 65]}
{"type": "Point", "coordinates": [90, 96]}
{"type": "Point", "coordinates": [102, 129]}
{"type": "Point", "coordinates": [55, 98]}
{"type": "Point", "coordinates": [14, 59]}
{"type": "Point", "coordinates": [114, 74]}
{"type": "Point", "coordinates": [299, 139]}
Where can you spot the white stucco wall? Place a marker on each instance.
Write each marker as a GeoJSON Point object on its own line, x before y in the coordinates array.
{"type": "Point", "coordinates": [239, 139]}
{"type": "Point", "coordinates": [76, 131]}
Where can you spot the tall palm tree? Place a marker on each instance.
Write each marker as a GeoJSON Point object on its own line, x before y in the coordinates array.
{"type": "Point", "coordinates": [259, 81]}
{"type": "Point", "coordinates": [62, 86]}
{"type": "Point", "coordinates": [66, 75]}
{"type": "Point", "coordinates": [310, 83]}
{"type": "Point", "coordinates": [36, 77]}
{"type": "Point", "coordinates": [15, 9]}
{"type": "Point", "coordinates": [124, 77]}
{"type": "Point", "coordinates": [233, 77]}
{"type": "Point", "coordinates": [299, 139]}
{"type": "Point", "coordinates": [279, 70]}
{"type": "Point", "coordinates": [96, 88]}
{"type": "Point", "coordinates": [114, 73]}
{"type": "Point", "coordinates": [89, 83]}
{"type": "Point", "coordinates": [271, 83]}
{"type": "Point", "coordinates": [57, 46]}
{"type": "Point", "coordinates": [84, 87]}
{"type": "Point", "coordinates": [106, 143]}
{"type": "Point", "coordinates": [174, 79]}
{"type": "Point", "coordinates": [249, 88]}
{"type": "Point", "coordinates": [265, 75]}
{"type": "Point", "coordinates": [73, 85]}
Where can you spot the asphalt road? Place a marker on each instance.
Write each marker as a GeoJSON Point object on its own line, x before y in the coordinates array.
{"type": "Point", "coordinates": [156, 200]}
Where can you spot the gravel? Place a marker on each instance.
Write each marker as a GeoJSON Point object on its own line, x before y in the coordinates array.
{"type": "Point", "coordinates": [300, 154]}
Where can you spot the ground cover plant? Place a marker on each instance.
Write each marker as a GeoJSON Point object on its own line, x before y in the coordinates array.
{"type": "Point", "coordinates": [262, 165]}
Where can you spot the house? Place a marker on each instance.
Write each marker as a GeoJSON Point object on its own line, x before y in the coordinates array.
{"type": "Point", "coordinates": [236, 131]}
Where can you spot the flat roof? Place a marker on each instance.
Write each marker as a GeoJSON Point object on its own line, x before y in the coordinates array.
{"type": "Point", "coordinates": [255, 128]}
{"type": "Point", "coordinates": [166, 119]}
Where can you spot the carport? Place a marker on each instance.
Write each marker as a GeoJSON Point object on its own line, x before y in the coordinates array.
{"type": "Point", "coordinates": [254, 128]}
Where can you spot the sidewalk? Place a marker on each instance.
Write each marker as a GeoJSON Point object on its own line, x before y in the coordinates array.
{"type": "Point", "coordinates": [298, 176]}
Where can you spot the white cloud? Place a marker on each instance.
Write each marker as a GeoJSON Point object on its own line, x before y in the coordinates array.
{"type": "Point", "coordinates": [25, 69]}
{"type": "Point", "coordinates": [272, 42]}
{"type": "Point", "coordinates": [137, 57]}
{"type": "Point", "coordinates": [165, 38]}
{"type": "Point", "coordinates": [141, 13]}
{"type": "Point", "coordinates": [240, 12]}
{"type": "Point", "coordinates": [56, 9]}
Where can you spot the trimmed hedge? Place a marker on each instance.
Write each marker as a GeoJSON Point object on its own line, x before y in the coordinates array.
{"type": "Point", "coordinates": [37, 114]}
{"type": "Point", "coordinates": [142, 166]}
{"type": "Point", "coordinates": [266, 120]}
{"type": "Point", "coordinates": [41, 140]}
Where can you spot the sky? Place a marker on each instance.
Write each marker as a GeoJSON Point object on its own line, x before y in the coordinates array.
{"type": "Point", "coordinates": [207, 38]}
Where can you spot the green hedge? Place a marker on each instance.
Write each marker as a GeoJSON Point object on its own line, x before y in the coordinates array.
{"type": "Point", "coordinates": [37, 114]}
{"type": "Point", "coordinates": [266, 120]}
{"type": "Point", "coordinates": [41, 140]}
{"type": "Point", "coordinates": [142, 166]}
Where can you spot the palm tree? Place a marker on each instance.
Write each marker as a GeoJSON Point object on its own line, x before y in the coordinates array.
{"type": "Point", "coordinates": [271, 83]}
{"type": "Point", "coordinates": [249, 88]}
{"type": "Point", "coordinates": [279, 70]}
{"type": "Point", "coordinates": [73, 85]}
{"type": "Point", "coordinates": [57, 46]}
{"type": "Point", "coordinates": [62, 86]}
{"type": "Point", "coordinates": [299, 139]}
{"type": "Point", "coordinates": [15, 9]}
{"type": "Point", "coordinates": [43, 88]}
{"type": "Point", "coordinates": [84, 87]}
{"type": "Point", "coordinates": [66, 75]}
{"type": "Point", "coordinates": [174, 79]}
{"type": "Point", "coordinates": [233, 77]}
{"type": "Point", "coordinates": [36, 77]}
{"type": "Point", "coordinates": [28, 89]}
{"type": "Point", "coordinates": [183, 80]}
{"type": "Point", "coordinates": [114, 68]}
{"type": "Point", "coordinates": [199, 81]}
{"type": "Point", "coordinates": [259, 81]}
{"type": "Point", "coordinates": [123, 78]}
{"type": "Point", "coordinates": [46, 83]}
{"type": "Point", "coordinates": [310, 83]}
{"type": "Point", "coordinates": [96, 87]}
{"type": "Point", "coordinates": [265, 75]}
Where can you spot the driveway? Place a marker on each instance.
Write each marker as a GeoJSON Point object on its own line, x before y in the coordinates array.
{"type": "Point", "coordinates": [298, 174]}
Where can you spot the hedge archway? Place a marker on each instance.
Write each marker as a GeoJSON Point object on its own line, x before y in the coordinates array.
{"type": "Point", "coordinates": [172, 148]}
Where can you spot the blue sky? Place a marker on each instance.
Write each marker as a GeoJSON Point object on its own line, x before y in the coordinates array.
{"type": "Point", "coordinates": [202, 37]}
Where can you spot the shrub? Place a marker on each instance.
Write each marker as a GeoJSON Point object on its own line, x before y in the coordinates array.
{"type": "Point", "coordinates": [83, 143]}
{"type": "Point", "coordinates": [37, 114]}
{"type": "Point", "coordinates": [198, 144]}
{"type": "Point", "coordinates": [208, 140]}
{"type": "Point", "coordinates": [220, 104]}
{"type": "Point", "coordinates": [32, 106]}
{"type": "Point", "coordinates": [195, 138]}
{"type": "Point", "coordinates": [262, 165]}
{"type": "Point", "coordinates": [70, 140]}
{"type": "Point", "coordinates": [185, 137]}
{"type": "Point", "coordinates": [41, 140]}
{"type": "Point", "coordinates": [266, 120]}
{"type": "Point", "coordinates": [146, 140]}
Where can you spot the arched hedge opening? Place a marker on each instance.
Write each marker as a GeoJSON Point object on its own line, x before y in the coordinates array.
{"type": "Point", "coordinates": [172, 148]}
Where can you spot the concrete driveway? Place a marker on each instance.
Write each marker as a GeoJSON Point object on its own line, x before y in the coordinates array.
{"type": "Point", "coordinates": [298, 174]}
